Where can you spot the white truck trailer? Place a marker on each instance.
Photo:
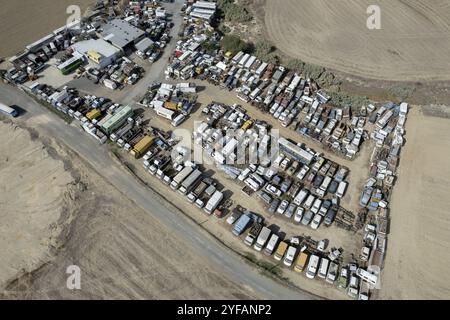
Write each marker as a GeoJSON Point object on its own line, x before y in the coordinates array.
{"type": "Point", "coordinates": [190, 182]}
{"type": "Point", "coordinates": [213, 202]}
{"type": "Point", "coordinates": [179, 178]}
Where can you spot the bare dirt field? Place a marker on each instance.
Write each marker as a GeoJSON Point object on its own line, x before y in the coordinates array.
{"type": "Point", "coordinates": [35, 189]}
{"type": "Point", "coordinates": [25, 21]}
{"type": "Point", "coordinates": [412, 45]}
{"type": "Point", "coordinates": [418, 255]}
{"type": "Point", "coordinates": [56, 211]}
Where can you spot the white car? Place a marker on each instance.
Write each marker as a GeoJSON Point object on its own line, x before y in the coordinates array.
{"type": "Point", "coordinates": [322, 245]}
{"type": "Point", "coordinates": [334, 255]}
{"type": "Point", "coordinates": [273, 190]}
{"type": "Point", "coordinates": [283, 206]}
{"type": "Point", "coordinates": [298, 214]}
{"type": "Point", "coordinates": [316, 221]}
{"type": "Point", "coordinates": [302, 173]}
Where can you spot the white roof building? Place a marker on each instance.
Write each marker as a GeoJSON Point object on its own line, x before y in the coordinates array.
{"type": "Point", "coordinates": [97, 51]}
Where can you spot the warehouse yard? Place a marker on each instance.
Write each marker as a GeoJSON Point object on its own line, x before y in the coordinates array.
{"type": "Point", "coordinates": [418, 256]}
{"type": "Point", "coordinates": [334, 34]}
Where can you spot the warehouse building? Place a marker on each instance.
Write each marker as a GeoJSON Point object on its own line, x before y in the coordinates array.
{"type": "Point", "coordinates": [122, 34]}
{"type": "Point", "coordinates": [99, 52]}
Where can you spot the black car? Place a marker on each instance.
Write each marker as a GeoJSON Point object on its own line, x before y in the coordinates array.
{"type": "Point", "coordinates": [332, 188]}
{"type": "Point", "coordinates": [318, 181]}
{"type": "Point", "coordinates": [274, 205]}
{"type": "Point", "coordinates": [329, 218]}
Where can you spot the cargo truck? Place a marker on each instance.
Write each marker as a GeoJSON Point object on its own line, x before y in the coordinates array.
{"type": "Point", "coordinates": [142, 147]}
{"type": "Point", "coordinates": [253, 234]}
{"type": "Point", "coordinates": [190, 182]}
{"type": "Point", "coordinates": [353, 288]}
{"type": "Point", "coordinates": [321, 191]}
{"type": "Point", "coordinates": [213, 202]}
{"type": "Point", "coordinates": [197, 192]}
{"type": "Point", "coordinates": [262, 239]}
{"type": "Point", "coordinates": [242, 224]}
{"type": "Point", "coordinates": [178, 179]}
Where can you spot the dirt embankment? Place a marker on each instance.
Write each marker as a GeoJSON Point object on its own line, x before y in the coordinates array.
{"type": "Point", "coordinates": [58, 212]}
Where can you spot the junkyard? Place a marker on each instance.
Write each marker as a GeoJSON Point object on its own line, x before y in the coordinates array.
{"type": "Point", "coordinates": [257, 154]}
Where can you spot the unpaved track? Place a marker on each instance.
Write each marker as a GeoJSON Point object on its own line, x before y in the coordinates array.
{"type": "Point", "coordinates": [413, 44]}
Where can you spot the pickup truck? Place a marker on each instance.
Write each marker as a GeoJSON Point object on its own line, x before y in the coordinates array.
{"type": "Point", "coordinates": [253, 234]}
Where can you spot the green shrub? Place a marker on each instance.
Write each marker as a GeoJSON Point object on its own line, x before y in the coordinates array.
{"type": "Point", "coordinates": [234, 44]}
{"type": "Point", "coordinates": [402, 91]}
{"type": "Point", "coordinates": [233, 12]}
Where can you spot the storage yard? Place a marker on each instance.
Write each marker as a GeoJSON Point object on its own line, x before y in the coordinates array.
{"type": "Point", "coordinates": [257, 154]}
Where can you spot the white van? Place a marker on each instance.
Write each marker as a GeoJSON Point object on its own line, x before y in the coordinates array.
{"type": "Point", "coordinates": [341, 189]}
{"type": "Point", "coordinates": [316, 206]}
{"type": "Point", "coordinates": [271, 245]}
{"type": "Point", "coordinates": [332, 272]}
{"type": "Point", "coordinates": [300, 197]}
{"type": "Point", "coordinates": [309, 202]}
{"type": "Point", "coordinates": [313, 263]}
{"type": "Point", "coordinates": [262, 238]}
{"type": "Point", "coordinates": [324, 186]}
{"type": "Point", "coordinates": [323, 270]}
{"type": "Point", "coordinates": [244, 174]}
{"type": "Point", "coordinates": [290, 255]}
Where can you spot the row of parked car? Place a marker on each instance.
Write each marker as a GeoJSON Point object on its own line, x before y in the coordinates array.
{"type": "Point", "coordinates": [296, 254]}
{"type": "Point", "coordinates": [291, 197]}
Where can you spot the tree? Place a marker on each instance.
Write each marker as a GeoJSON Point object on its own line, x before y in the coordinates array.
{"type": "Point", "coordinates": [234, 44]}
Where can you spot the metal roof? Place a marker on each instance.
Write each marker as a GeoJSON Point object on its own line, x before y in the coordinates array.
{"type": "Point", "coordinates": [121, 33]}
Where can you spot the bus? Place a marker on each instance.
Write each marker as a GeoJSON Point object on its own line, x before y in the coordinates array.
{"type": "Point", "coordinates": [8, 110]}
